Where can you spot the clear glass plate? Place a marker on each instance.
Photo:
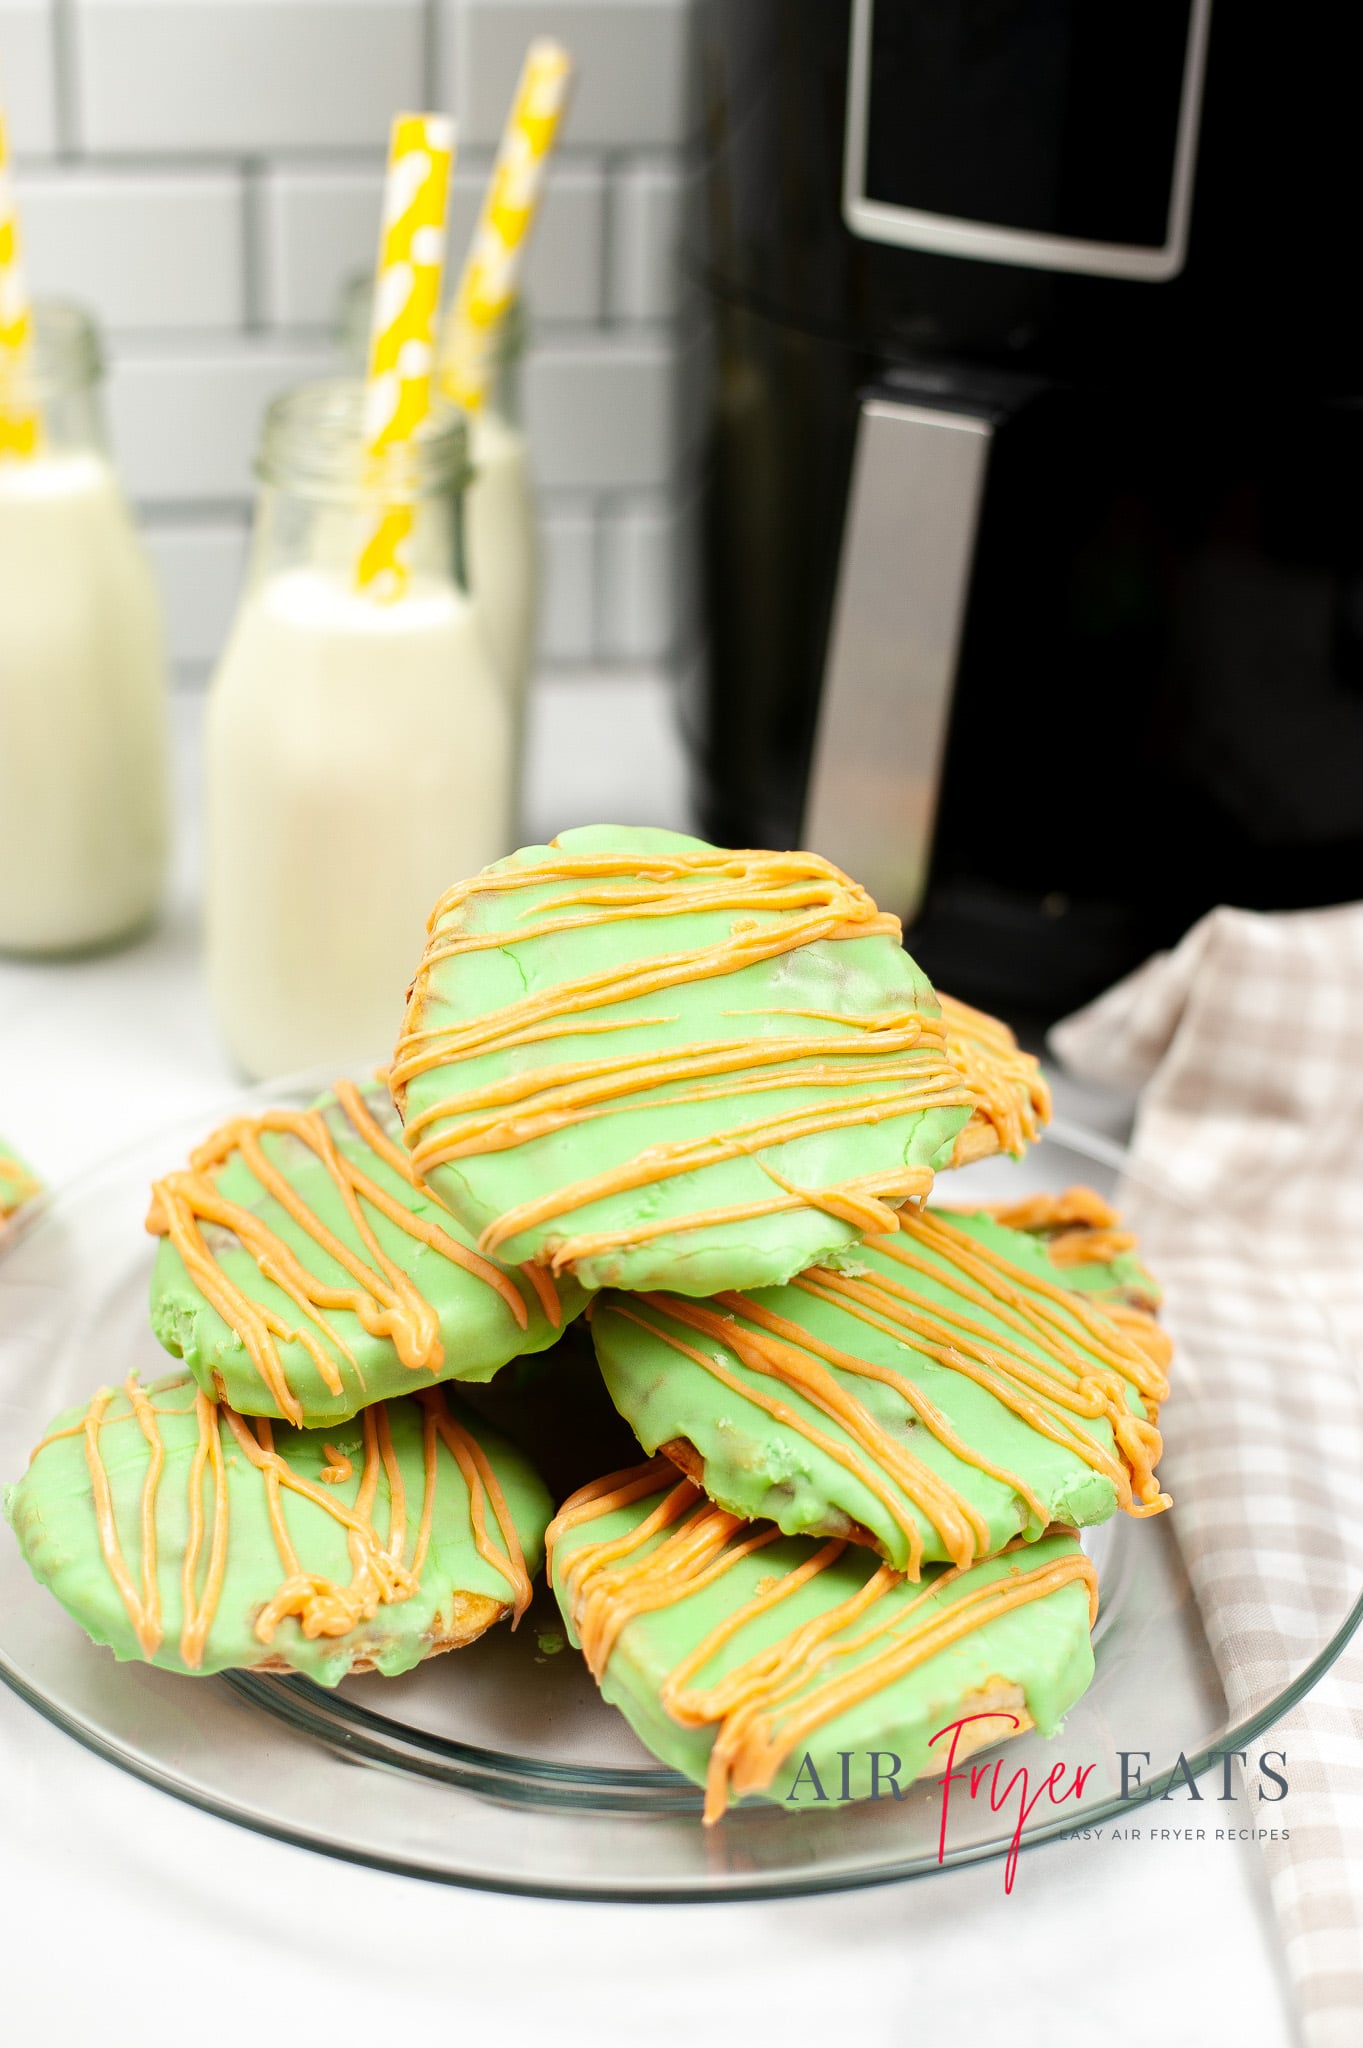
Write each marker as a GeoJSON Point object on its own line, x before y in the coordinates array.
{"type": "Point", "coordinates": [499, 1765]}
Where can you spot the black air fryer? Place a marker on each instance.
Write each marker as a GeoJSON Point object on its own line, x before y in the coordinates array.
{"type": "Point", "coordinates": [1034, 508]}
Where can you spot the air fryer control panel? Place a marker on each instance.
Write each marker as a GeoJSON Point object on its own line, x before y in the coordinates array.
{"type": "Point", "coordinates": [1047, 133]}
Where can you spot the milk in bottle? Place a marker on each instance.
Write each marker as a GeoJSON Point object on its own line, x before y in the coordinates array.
{"type": "Point", "coordinates": [503, 536]}
{"type": "Point", "coordinates": [83, 809]}
{"type": "Point", "coordinates": [358, 749]}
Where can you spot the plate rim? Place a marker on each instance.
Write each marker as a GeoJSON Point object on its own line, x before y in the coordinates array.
{"type": "Point", "coordinates": [481, 1765]}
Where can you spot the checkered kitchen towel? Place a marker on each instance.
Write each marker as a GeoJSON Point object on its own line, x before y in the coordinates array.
{"type": "Point", "coordinates": [1247, 1045]}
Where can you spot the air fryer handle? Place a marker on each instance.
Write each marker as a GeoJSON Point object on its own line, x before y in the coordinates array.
{"type": "Point", "coordinates": [908, 548]}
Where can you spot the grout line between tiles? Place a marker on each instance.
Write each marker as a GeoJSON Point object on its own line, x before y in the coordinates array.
{"type": "Point", "coordinates": [254, 292]}
{"type": "Point", "coordinates": [64, 80]}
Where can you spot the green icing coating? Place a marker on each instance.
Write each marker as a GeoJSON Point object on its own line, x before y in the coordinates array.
{"type": "Point", "coordinates": [1123, 1278]}
{"type": "Point", "coordinates": [52, 1511]}
{"type": "Point", "coordinates": [758, 1467]}
{"type": "Point", "coordinates": [851, 977]}
{"type": "Point", "coordinates": [478, 1330]}
{"type": "Point", "coordinates": [1043, 1647]}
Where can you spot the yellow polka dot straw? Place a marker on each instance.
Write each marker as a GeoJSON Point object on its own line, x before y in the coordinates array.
{"type": "Point", "coordinates": [487, 283]}
{"type": "Point", "coordinates": [402, 332]}
{"type": "Point", "coordinates": [20, 425]}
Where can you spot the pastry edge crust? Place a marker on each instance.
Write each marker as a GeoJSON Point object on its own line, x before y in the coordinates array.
{"type": "Point", "coordinates": [473, 1615]}
{"type": "Point", "coordinates": [688, 1460]}
{"type": "Point", "coordinates": [996, 1696]}
{"type": "Point", "coordinates": [977, 1139]}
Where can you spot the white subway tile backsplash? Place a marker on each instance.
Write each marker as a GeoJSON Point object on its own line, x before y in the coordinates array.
{"type": "Point", "coordinates": [568, 596]}
{"type": "Point", "coordinates": [649, 203]}
{"type": "Point", "coordinates": [151, 249]}
{"type": "Point", "coordinates": [648, 574]}
{"type": "Point", "coordinates": [322, 226]}
{"type": "Point", "coordinates": [601, 412]}
{"type": "Point", "coordinates": [186, 424]}
{"type": "Point", "coordinates": [597, 736]}
{"type": "Point", "coordinates": [200, 568]}
{"type": "Point", "coordinates": [634, 85]}
{"type": "Point", "coordinates": [28, 75]}
{"type": "Point", "coordinates": [244, 75]}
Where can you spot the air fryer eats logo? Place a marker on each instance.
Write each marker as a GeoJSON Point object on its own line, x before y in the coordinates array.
{"type": "Point", "coordinates": [1011, 1792]}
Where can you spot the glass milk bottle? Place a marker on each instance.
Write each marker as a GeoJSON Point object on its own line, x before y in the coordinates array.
{"type": "Point", "coordinates": [503, 531]}
{"type": "Point", "coordinates": [358, 749]}
{"type": "Point", "coordinates": [83, 797]}
{"type": "Point", "coordinates": [501, 515]}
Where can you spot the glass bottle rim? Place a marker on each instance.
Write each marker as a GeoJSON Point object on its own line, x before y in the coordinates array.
{"type": "Point", "coordinates": [356, 301]}
{"type": "Point", "coordinates": [312, 446]}
{"type": "Point", "coordinates": [65, 355]}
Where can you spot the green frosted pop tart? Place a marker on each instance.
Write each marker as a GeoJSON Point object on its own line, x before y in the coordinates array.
{"type": "Point", "coordinates": [1085, 1241]}
{"type": "Point", "coordinates": [18, 1184]}
{"type": "Point", "coordinates": [304, 1272]}
{"type": "Point", "coordinates": [933, 1394]}
{"type": "Point", "coordinates": [759, 1663]}
{"type": "Point", "coordinates": [1012, 1098]}
{"type": "Point", "coordinates": [177, 1531]}
{"type": "Point", "coordinates": [657, 1063]}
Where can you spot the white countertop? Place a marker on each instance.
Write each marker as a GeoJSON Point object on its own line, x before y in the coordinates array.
{"type": "Point", "coordinates": [128, 1917]}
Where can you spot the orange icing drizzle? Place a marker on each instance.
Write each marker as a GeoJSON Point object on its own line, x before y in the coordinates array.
{"type": "Point", "coordinates": [1081, 1229]}
{"type": "Point", "coordinates": [385, 1300]}
{"type": "Point", "coordinates": [617, 1489]}
{"type": "Point", "coordinates": [144, 1608]}
{"type": "Point", "coordinates": [323, 1607]}
{"type": "Point", "coordinates": [1043, 1213]}
{"type": "Point", "coordinates": [1090, 1247]}
{"type": "Point", "coordinates": [1046, 1313]}
{"type": "Point", "coordinates": [1047, 1392]}
{"type": "Point", "coordinates": [200, 1609]}
{"type": "Point", "coordinates": [483, 1487]}
{"type": "Point", "coordinates": [1143, 1331]}
{"type": "Point", "coordinates": [664, 1162]}
{"type": "Point", "coordinates": [967, 1348]}
{"type": "Point", "coordinates": [756, 1738]}
{"type": "Point", "coordinates": [380, 1575]}
{"type": "Point", "coordinates": [794, 1340]}
{"type": "Point", "coordinates": [767, 1705]}
{"type": "Point", "coordinates": [852, 1200]}
{"type": "Point", "coordinates": [543, 1284]}
{"type": "Point", "coordinates": [556, 1098]}
{"type": "Point", "coordinates": [882, 1464]}
{"type": "Point", "coordinates": [430, 1458]}
{"type": "Point", "coordinates": [1010, 1090]}
{"type": "Point", "coordinates": [809, 900]}
{"type": "Point", "coordinates": [1008, 1285]}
